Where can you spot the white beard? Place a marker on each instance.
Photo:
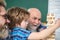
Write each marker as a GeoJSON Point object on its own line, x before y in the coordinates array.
{"type": "Point", "coordinates": [32, 28]}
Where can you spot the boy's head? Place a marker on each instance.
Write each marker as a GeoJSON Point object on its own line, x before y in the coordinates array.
{"type": "Point", "coordinates": [16, 15]}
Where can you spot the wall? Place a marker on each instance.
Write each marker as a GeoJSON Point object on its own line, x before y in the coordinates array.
{"type": "Point", "coordinates": [42, 5]}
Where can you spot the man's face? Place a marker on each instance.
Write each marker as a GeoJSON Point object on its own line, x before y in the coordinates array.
{"type": "Point", "coordinates": [2, 21]}
{"type": "Point", "coordinates": [2, 10]}
{"type": "Point", "coordinates": [34, 20]}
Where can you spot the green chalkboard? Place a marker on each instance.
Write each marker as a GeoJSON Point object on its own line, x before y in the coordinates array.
{"type": "Point", "coordinates": [42, 5]}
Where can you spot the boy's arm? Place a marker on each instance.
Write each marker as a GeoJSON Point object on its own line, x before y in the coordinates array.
{"type": "Point", "coordinates": [45, 33]}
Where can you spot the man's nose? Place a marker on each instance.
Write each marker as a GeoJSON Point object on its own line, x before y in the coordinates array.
{"type": "Point", "coordinates": [37, 21]}
{"type": "Point", "coordinates": [8, 21]}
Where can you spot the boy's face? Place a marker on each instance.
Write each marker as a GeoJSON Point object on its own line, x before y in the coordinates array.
{"type": "Point", "coordinates": [24, 24]}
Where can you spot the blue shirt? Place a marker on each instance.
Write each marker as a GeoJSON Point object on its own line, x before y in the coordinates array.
{"type": "Point", "coordinates": [41, 27]}
{"type": "Point", "coordinates": [19, 34]}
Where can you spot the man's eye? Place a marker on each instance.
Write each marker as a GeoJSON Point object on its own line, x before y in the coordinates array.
{"type": "Point", "coordinates": [39, 19]}
{"type": "Point", "coordinates": [35, 18]}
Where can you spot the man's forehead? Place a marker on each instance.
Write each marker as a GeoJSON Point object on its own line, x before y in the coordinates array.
{"type": "Point", "coordinates": [36, 14]}
{"type": "Point", "coordinates": [34, 11]}
{"type": "Point", "coordinates": [1, 7]}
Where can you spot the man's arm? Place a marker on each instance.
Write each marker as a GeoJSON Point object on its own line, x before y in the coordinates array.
{"type": "Point", "coordinates": [45, 33]}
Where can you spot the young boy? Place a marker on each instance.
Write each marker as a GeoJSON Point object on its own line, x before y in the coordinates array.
{"type": "Point", "coordinates": [18, 23]}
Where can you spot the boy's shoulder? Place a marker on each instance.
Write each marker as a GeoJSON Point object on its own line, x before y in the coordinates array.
{"type": "Point", "coordinates": [20, 31]}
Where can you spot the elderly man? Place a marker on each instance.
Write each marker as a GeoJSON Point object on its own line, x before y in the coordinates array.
{"type": "Point", "coordinates": [35, 20]}
{"type": "Point", "coordinates": [35, 24]}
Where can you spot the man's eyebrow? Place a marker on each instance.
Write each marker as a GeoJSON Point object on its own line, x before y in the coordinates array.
{"type": "Point", "coordinates": [35, 17]}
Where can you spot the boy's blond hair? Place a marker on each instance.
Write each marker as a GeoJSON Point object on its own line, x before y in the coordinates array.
{"type": "Point", "coordinates": [16, 15]}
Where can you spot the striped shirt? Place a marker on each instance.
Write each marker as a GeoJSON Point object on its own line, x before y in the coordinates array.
{"type": "Point", "coordinates": [19, 34]}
